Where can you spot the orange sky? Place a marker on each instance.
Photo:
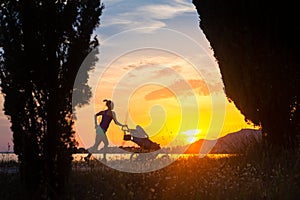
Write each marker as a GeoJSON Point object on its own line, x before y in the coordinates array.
{"type": "Point", "coordinates": [175, 102]}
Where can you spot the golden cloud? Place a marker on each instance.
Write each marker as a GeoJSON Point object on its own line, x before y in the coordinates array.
{"type": "Point", "coordinates": [178, 88]}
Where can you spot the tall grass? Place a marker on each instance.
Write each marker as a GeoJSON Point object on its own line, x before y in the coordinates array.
{"type": "Point", "coordinates": [258, 174]}
{"type": "Point", "coordinates": [10, 187]}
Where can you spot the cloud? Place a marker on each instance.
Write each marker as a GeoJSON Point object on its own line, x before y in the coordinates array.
{"type": "Point", "coordinates": [165, 11]}
{"type": "Point", "coordinates": [165, 73]}
{"type": "Point", "coordinates": [116, 22]}
{"type": "Point", "coordinates": [180, 87]}
{"type": "Point", "coordinates": [177, 68]}
{"type": "Point", "coordinates": [129, 67]}
{"type": "Point", "coordinates": [125, 15]}
{"type": "Point", "coordinates": [129, 21]}
{"type": "Point", "coordinates": [183, 87]}
{"type": "Point", "coordinates": [201, 85]}
{"type": "Point", "coordinates": [159, 94]}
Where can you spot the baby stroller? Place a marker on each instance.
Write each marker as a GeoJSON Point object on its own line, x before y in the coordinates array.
{"type": "Point", "coordinates": [141, 138]}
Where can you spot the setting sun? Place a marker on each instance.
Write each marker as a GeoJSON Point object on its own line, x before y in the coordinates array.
{"type": "Point", "coordinates": [192, 135]}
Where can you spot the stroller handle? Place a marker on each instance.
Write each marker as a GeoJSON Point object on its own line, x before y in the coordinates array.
{"type": "Point", "coordinates": [125, 128]}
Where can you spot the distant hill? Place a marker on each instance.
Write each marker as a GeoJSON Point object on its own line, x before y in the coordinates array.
{"type": "Point", "coordinates": [235, 142]}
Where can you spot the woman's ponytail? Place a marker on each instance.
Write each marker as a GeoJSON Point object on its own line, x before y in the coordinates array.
{"type": "Point", "coordinates": [108, 103]}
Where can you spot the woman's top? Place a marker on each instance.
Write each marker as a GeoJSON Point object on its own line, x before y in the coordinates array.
{"type": "Point", "coordinates": [106, 119]}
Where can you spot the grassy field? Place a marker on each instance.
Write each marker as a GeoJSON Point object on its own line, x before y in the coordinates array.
{"type": "Point", "coordinates": [256, 175]}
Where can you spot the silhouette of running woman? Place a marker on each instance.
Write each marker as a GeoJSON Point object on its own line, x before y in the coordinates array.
{"type": "Point", "coordinates": [107, 116]}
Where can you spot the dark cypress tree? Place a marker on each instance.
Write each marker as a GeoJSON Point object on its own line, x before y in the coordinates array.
{"type": "Point", "coordinates": [44, 43]}
{"type": "Point", "coordinates": [256, 44]}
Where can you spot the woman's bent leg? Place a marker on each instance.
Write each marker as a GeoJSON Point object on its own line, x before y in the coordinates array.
{"type": "Point", "coordinates": [95, 146]}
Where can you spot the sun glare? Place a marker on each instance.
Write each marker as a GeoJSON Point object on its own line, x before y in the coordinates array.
{"type": "Point", "coordinates": [192, 135]}
{"type": "Point", "coordinates": [191, 139]}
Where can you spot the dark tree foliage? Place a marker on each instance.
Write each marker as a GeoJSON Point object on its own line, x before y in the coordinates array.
{"type": "Point", "coordinates": [43, 45]}
{"type": "Point", "coordinates": [256, 44]}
